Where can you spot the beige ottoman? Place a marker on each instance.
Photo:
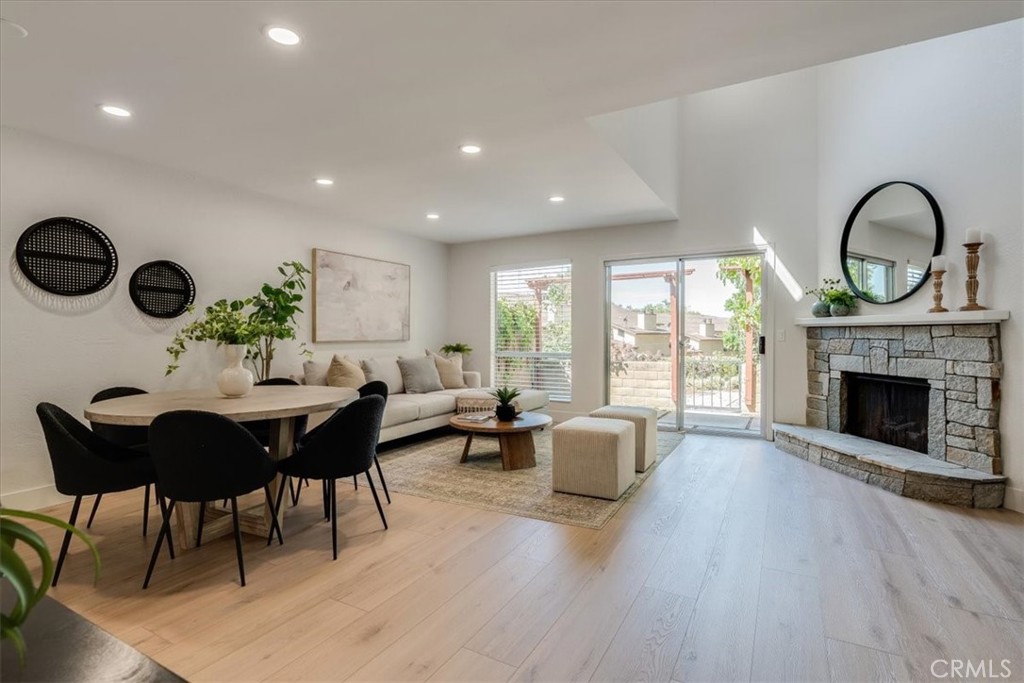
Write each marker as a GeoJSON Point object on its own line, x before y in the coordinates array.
{"type": "Point", "coordinates": [646, 422]}
{"type": "Point", "coordinates": [593, 457]}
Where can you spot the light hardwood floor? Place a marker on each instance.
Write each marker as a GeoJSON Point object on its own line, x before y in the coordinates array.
{"type": "Point", "coordinates": [733, 562]}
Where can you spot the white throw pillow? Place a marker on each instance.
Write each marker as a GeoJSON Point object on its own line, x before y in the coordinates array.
{"type": "Point", "coordinates": [315, 373]}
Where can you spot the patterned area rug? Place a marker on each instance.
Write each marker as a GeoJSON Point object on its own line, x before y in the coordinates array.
{"type": "Point", "coordinates": [432, 470]}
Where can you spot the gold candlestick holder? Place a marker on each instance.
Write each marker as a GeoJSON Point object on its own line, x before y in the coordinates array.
{"type": "Point", "coordinates": [937, 295]}
{"type": "Point", "coordinates": [973, 258]}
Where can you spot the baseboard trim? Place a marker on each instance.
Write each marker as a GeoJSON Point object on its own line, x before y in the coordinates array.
{"type": "Point", "coordinates": [34, 499]}
{"type": "Point", "coordinates": [1014, 499]}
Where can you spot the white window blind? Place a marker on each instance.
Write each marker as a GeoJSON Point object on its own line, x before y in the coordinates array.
{"type": "Point", "coordinates": [914, 275]}
{"type": "Point", "coordinates": [531, 313]}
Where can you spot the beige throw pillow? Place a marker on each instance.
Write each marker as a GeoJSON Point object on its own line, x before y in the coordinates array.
{"type": "Point", "coordinates": [419, 375]}
{"type": "Point", "coordinates": [450, 370]}
{"type": "Point", "coordinates": [345, 373]}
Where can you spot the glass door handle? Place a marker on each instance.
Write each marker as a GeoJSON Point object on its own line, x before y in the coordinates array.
{"type": "Point", "coordinates": [760, 345]}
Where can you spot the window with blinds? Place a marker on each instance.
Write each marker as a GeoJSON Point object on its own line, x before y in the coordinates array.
{"type": "Point", "coordinates": [914, 275]}
{"type": "Point", "coordinates": [531, 313]}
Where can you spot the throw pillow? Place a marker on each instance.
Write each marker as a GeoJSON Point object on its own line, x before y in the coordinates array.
{"type": "Point", "coordinates": [315, 373]}
{"type": "Point", "coordinates": [420, 375]}
{"type": "Point", "coordinates": [386, 370]}
{"type": "Point", "coordinates": [345, 373]}
{"type": "Point", "coordinates": [449, 369]}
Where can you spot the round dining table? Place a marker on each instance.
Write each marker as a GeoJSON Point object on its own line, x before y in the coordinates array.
{"type": "Point", "coordinates": [279, 405]}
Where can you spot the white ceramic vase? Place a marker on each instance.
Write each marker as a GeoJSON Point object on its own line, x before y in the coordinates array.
{"type": "Point", "coordinates": [234, 381]}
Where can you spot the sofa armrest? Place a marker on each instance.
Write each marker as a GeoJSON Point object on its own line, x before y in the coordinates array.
{"type": "Point", "coordinates": [471, 378]}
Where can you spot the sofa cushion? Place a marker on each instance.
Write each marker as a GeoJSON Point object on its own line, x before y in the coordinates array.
{"type": "Point", "coordinates": [386, 370]}
{"type": "Point", "coordinates": [344, 372]}
{"type": "Point", "coordinates": [419, 375]}
{"type": "Point", "coordinates": [399, 411]}
{"type": "Point", "coordinates": [315, 374]}
{"type": "Point", "coordinates": [429, 405]}
{"type": "Point", "coordinates": [472, 400]}
{"type": "Point", "coordinates": [449, 369]}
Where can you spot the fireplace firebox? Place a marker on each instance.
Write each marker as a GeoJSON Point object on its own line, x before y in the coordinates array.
{"type": "Point", "coordinates": [893, 410]}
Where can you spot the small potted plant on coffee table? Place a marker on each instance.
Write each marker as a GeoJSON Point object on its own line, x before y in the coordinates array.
{"type": "Point", "coordinates": [505, 411]}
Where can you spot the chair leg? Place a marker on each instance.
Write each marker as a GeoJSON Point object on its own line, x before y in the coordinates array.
{"type": "Point", "coordinates": [164, 511]}
{"type": "Point", "coordinates": [292, 490]}
{"type": "Point", "coordinates": [95, 507]}
{"type": "Point", "coordinates": [376, 499]}
{"type": "Point", "coordinates": [277, 506]}
{"type": "Point", "coordinates": [238, 540]}
{"type": "Point", "coordinates": [145, 512]}
{"type": "Point", "coordinates": [355, 482]}
{"type": "Point", "coordinates": [67, 540]}
{"type": "Point", "coordinates": [165, 532]}
{"type": "Point", "coordinates": [334, 518]}
{"type": "Point", "coordinates": [327, 497]}
{"type": "Point", "coordinates": [381, 475]}
{"type": "Point", "coordinates": [199, 531]}
{"type": "Point", "coordinates": [274, 524]}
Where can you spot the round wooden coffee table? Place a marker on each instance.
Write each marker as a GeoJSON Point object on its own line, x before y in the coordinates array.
{"type": "Point", "coordinates": [514, 438]}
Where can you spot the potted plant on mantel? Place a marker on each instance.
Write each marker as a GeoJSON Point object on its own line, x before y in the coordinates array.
{"type": "Point", "coordinates": [505, 411]}
{"type": "Point", "coordinates": [833, 300]}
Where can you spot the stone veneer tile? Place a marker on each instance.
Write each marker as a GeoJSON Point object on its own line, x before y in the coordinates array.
{"type": "Point", "coordinates": [988, 393]}
{"type": "Point", "coordinates": [846, 363]}
{"type": "Point", "coordinates": [917, 339]}
{"type": "Point", "coordinates": [860, 347]}
{"type": "Point", "coordinates": [958, 383]}
{"type": "Point", "coordinates": [879, 360]}
{"type": "Point", "coordinates": [965, 348]}
{"type": "Point", "coordinates": [961, 442]}
{"type": "Point", "coordinates": [976, 369]}
{"type": "Point", "coordinates": [879, 332]}
{"type": "Point", "coordinates": [936, 493]}
{"type": "Point", "coordinates": [942, 330]}
{"type": "Point", "coordinates": [969, 414]}
{"type": "Point", "coordinates": [957, 429]}
{"type": "Point", "coordinates": [987, 440]}
{"type": "Point", "coordinates": [842, 346]}
{"type": "Point", "coordinates": [921, 367]}
{"type": "Point", "coordinates": [968, 397]}
{"type": "Point", "coordinates": [896, 347]}
{"type": "Point", "coordinates": [989, 495]}
{"type": "Point", "coordinates": [982, 330]}
{"type": "Point", "coordinates": [969, 458]}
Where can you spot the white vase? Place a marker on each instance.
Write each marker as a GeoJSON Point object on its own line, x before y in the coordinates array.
{"type": "Point", "coordinates": [234, 381]}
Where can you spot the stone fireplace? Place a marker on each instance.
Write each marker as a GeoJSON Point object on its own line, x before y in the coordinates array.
{"type": "Point", "coordinates": [960, 364]}
{"type": "Point", "coordinates": [907, 403]}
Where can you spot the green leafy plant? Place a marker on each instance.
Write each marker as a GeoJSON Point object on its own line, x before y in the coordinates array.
{"type": "Point", "coordinates": [505, 395]}
{"type": "Point", "coordinates": [223, 322]}
{"type": "Point", "coordinates": [257, 321]}
{"type": "Point", "coordinates": [273, 315]}
{"type": "Point", "coordinates": [840, 296]}
{"type": "Point", "coordinates": [457, 347]}
{"type": "Point", "coordinates": [16, 572]}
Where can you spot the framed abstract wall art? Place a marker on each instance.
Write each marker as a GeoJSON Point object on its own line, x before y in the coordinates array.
{"type": "Point", "coordinates": [359, 299]}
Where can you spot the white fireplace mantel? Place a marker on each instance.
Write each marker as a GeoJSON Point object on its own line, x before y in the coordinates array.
{"type": "Point", "coordinates": [950, 318]}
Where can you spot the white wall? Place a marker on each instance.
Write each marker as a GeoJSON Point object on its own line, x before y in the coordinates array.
{"type": "Point", "coordinates": [946, 114]}
{"type": "Point", "coordinates": [791, 155]}
{"type": "Point", "coordinates": [735, 177]}
{"type": "Point", "coordinates": [230, 241]}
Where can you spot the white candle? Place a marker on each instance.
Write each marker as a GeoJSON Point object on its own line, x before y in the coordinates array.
{"type": "Point", "coordinates": [973, 235]}
{"type": "Point", "coordinates": [939, 263]}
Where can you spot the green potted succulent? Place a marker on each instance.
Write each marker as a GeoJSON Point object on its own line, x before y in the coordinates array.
{"type": "Point", "coordinates": [16, 572]}
{"type": "Point", "coordinates": [505, 411]}
{"type": "Point", "coordinates": [833, 299]}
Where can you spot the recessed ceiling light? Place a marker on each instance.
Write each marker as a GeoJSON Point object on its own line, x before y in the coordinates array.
{"type": "Point", "coordinates": [282, 35]}
{"type": "Point", "coordinates": [433, 216]}
{"type": "Point", "coordinates": [324, 181]}
{"type": "Point", "coordinates": [113, 110]}
{"type": "Point", "coordinates": [470, 149]}
{"type": "Point", "coordinates": [556, 199]}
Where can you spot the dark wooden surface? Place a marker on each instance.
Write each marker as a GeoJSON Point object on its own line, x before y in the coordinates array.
{"type": "Point", "coordinates": [63, 646]}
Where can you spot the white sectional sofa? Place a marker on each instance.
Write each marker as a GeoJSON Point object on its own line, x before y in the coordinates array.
{"type": "Point", "coordinates": [411, 413]}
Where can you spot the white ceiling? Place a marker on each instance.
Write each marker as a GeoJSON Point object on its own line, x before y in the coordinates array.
{"type": "Point", "coordinates": [379, 95]}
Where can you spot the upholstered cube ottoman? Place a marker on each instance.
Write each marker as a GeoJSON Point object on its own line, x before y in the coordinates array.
{"type": "Point", "coordinates": [646, 422]}
{"type": "Point", "coordinates": [593, 457]}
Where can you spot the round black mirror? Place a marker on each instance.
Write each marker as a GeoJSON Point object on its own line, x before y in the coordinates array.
{"type": "Point", "coordinates": [889, 240]}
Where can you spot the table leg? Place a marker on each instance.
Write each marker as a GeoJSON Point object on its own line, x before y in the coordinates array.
{"type": "Point", "coordinates": [282, 443]}
{"type": "Point", "coordinates": [517, 450]}
{"type": "Point", "coordinates": [465, 450]}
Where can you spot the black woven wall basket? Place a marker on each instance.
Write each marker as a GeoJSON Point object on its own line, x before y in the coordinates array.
{"type": "Point", "coordinates": [67, 256]}
{"type": "Point", "coordinates": [162, 289]}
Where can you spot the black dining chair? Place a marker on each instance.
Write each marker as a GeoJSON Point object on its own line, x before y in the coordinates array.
{"type": "Point", "coordinates": [377, 388]}
{"type": "Point", "coordinates": [128, 437]}
{"type": "Point", "coordinates": [85, 464]}
{"type": "Point", "coordinates": [261, 428]}
{"type": "Point", "coordinates": [341, 447]}
{"type": "Point", "coordinates": [201, 456]}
